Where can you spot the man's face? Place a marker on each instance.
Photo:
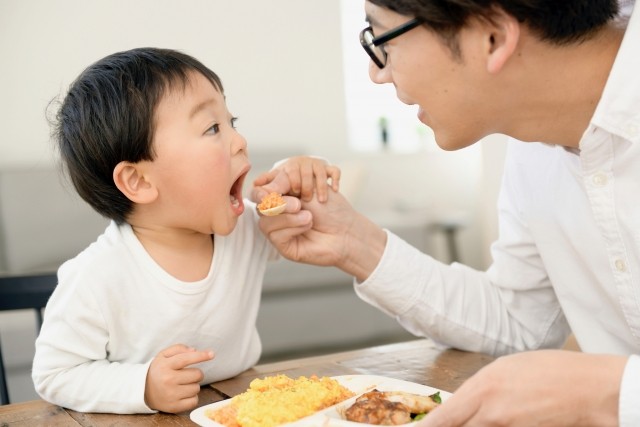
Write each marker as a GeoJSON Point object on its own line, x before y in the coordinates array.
{"type": "Point", "coordinates": [449, 90]}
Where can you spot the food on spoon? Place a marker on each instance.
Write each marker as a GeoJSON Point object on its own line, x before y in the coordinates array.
{"type": "Point", "coordinates": [391, 408]}
{"type": "Point", "coordinates": [277, 400]}
{"type": "Point", "coordinates": [272, 204]}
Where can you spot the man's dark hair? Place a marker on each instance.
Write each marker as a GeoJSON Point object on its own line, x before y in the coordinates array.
{"type": "Point", "coordinates": [555, 21]}
{"type": "Point", "coordinates": [108, 117]}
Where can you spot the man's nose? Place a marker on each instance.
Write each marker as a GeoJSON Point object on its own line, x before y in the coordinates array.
{"type": "Point", "coordinates": [378, 75]}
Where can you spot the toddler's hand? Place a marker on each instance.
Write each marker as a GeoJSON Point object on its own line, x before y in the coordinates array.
{"type": "Point", "coordinates": [300, 176]}
{"type": "Point", "coordinates": [171, 385]}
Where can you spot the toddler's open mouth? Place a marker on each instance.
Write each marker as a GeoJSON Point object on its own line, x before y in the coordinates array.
{"type": "Point", "coordinates": [235, 195]}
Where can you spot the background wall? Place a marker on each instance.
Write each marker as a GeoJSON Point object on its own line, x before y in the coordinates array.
{"type": "Point", "coordinates": [282, 66]}
{"type": "Point", "coordinates": [280, 62]}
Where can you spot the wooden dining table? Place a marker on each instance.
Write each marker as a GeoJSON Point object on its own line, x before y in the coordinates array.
{"type": "Point", "coordinates": [420, 361]}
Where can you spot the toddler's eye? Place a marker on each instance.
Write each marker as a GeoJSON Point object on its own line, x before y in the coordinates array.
{"type": "Point", "coordinates": [214, 129]}
{"type": "Point", "coordinates": [234, 120]}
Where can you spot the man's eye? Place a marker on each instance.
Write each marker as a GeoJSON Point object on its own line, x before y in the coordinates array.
{"type": "Point", "coordinates": [214, 129]}
{"type": "Point", "coordinates": [234, 120]}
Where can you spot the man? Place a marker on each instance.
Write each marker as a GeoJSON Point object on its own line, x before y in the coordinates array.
{"type": "Point", "coordinates": [568, 255]}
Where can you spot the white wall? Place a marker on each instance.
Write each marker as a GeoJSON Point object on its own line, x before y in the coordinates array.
{"type": "Point", "coordinates": [280, 62]}
{"type": "Point", "coordinates": [282, 66]}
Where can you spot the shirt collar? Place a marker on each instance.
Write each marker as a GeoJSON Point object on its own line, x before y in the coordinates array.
{"type": "Point", "coordinates": [618, 111]}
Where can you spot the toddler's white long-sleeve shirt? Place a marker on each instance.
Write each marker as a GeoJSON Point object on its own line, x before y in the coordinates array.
{"type": "Point", "coordinates": [115, 308]}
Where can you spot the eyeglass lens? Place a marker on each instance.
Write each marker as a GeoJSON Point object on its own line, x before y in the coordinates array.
{"type": "Point", "coordinates": [378, 51]}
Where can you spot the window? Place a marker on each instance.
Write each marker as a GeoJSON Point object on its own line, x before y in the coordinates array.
{"type": "Point", "coordinates": [376, 119]}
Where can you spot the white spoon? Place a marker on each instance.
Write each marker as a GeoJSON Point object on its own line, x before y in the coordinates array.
{"type": "Point", "coordinates": [276, 210]}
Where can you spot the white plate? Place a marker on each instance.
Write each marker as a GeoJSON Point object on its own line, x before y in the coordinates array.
{"type": "Point", "coordinates": [331, 417]}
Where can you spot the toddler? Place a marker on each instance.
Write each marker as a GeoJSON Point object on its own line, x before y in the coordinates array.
{"type": "Point", "coordinates": [166, 298]}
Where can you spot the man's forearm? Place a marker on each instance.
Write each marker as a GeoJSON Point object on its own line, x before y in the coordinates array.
{"type": "Point", "coordinates": [365, 244]}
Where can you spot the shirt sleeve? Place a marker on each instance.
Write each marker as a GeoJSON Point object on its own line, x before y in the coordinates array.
{"type": "Point", "coordinates": [71, 367]}
{"type": "Point", "coordinates": [629, 412]}
{"type": "Point", "coordinates": [511, 307]}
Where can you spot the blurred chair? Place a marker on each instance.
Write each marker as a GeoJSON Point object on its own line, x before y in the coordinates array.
{"type": "Point", "coordinates": [19, 292]}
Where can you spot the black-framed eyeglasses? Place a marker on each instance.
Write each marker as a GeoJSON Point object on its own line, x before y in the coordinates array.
{"type": "Point", "coordinates": [374, 46]}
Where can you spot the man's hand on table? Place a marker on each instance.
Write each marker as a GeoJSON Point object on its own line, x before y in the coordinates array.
{"type": "Point", "coordinates": [546, 387]}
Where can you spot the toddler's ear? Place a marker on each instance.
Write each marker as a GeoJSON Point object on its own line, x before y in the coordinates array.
{"type": "Point", "coordinates": [131, 181]}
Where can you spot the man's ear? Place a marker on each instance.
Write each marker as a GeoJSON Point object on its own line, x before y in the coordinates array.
{"type": "Point", "coordinates": [503, 37]}
{"type": "Point", "coordinates": [132, 182]}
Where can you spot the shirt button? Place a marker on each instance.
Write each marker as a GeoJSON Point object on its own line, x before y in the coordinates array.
{"type": "Point", "coordinates": [600, 179]}
{"type": "Point", "coordinates": [632, 129]}
{"type": "Point", "coordinates": [621, 265]}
